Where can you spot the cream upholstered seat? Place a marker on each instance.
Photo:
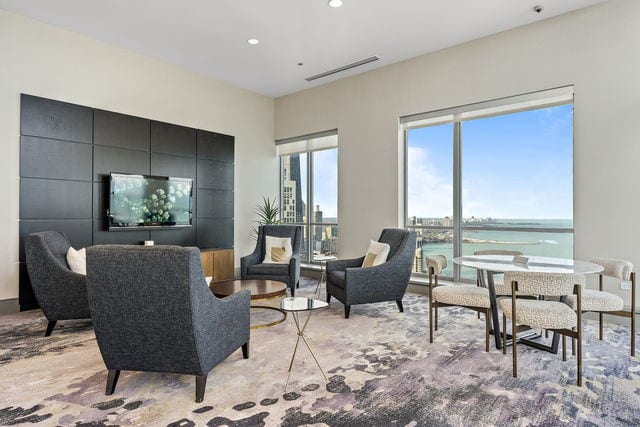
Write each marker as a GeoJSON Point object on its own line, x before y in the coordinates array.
{"type": "Point", "coordinates": [593, 300]}
{"type": "Point", "coordinates": [602, 302]}
{"type": "Point", "coordinates": [463, 295]}
{"type": "Point", "coordinates": [471, 297]}
{"type": "Point", "coordinates": [543, 314]}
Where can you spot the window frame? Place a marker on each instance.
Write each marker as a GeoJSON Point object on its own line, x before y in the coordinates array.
{"type": "Point", "coordinates": [310, 223]}
{"type": "Point", "coordinates": [458, 115]}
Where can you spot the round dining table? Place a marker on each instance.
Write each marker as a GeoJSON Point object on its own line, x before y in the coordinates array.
{"type": "Point", "coordinates": [489, 265]}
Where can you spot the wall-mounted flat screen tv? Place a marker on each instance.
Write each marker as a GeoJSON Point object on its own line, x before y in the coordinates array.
{"type": "Point", "coordinates": [137, 201]}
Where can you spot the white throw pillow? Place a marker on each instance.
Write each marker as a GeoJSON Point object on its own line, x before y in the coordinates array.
{"type": "Point", "coordinates": [278, 250]}
{"type": "Point", "coordinates": [376, 254]}
{"type": "Point", "coordinates": [77, 260]}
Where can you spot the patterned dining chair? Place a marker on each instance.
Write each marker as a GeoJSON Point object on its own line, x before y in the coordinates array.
{"type": "Point", "coordinates": [555, 316]}
{"type": "Point", "coordinates": [602, 302]}
{"type": "Point", "coordinates": [466, 296]}
{"type": "Point", "coordinates": [499, 286]}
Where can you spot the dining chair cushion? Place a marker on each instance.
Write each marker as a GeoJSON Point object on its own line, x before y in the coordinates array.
{"type": "Point", "coordinates": [540, 314]}
{"type": "Point", "coordinates": [618, 268]}
{"type": "Point", "coordinates": [464, 295]}
{"type": "Point", "coordinates": [593, 300]}
{"type": "Point", "coordinates": [438, 262]}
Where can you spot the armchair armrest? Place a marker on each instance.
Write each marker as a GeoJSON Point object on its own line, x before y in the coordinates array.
{"type": "Point", "coordinates": [248, 261]}
{"type": "Point", "coordinates": [343, 264]}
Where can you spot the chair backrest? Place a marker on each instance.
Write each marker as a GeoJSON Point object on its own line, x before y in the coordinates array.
{"type": "Point", "coordinates": [144, 302]}
{"type": "Point", "coordinates": [437, 262]}
{"type": "Point", "coordinates": [278, 230]}
{"type": "Point", "coordinates": [497, 252]}
{"type": "Point", "coordinates": [396, 238]}
{"type": "Point", "coordinates": [616, 268]}
{"type": "Point", "coordinates": [547, 284]}
{"type": "Point", "coordinates": [47, 248]}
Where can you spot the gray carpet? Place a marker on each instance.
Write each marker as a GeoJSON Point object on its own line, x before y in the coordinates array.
{"type": "Point", "coordinates": [381, 368]}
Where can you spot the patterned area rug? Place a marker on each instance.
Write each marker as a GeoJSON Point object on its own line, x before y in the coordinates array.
{"type": "Point", "coordinates": [382, 371]}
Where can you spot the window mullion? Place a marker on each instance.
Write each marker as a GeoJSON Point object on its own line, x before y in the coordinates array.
{"type": "Point", "coordinates": [457, 196]}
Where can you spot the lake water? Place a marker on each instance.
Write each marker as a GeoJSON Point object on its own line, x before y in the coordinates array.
{"type": "Point", "coordinates": [530, 243]}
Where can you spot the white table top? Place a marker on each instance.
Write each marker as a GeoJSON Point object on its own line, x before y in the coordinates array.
{"type": "Point", "coordinates": [538, 264]}
{"type": "Point", "coordinates": [322, 258]}
{"type": "Point", "coordinates": [301, 304]}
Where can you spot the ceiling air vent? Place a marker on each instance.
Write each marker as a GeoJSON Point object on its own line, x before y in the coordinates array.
{"type": "Point", "coordinates": [343, 68]}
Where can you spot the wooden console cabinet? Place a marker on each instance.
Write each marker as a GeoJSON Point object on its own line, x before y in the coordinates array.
{"type": "Point", "coordinates": [218, 263]}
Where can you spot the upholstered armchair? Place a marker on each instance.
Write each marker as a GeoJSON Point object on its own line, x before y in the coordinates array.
{"type": "Point", "coordinates": [252, 267]}
{"type": "Point", "coordinates": [61, 293]}
{"type": "Point", "coordinates": [352, 284]}
{"type": "Point", "coordinates": [153, 311]}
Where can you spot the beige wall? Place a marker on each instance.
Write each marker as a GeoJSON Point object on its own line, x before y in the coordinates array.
{"type": "Point", "coordinates": [595, 49]}
{"type": "Point", "coordinates": [42, 60]}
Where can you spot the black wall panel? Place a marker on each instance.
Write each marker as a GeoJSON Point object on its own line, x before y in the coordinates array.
{"type": "Point", "coordinates": [120, 130]}
{"type": "Point", "coordinates": [168, 165]}
{"type": "Point", "coordinates": [215, 146]}
{"type": "Point", "coordinates": [181, 237]}
{"type": "Point", "coordinates": [54, 199]}
{"type": "Point", "coordinates": [121, 160]}
{"type": "Point", "coordinates": [215, 233]}
{"type": "Point", "coordinates": [215, 204]}
{"type": "Point", "coordinates": [67, 152]}
{"type": "Point", "coordinates": [54, 119]}
{"type": "Point", "coordinates": [173, 139]}
{"type": "Point", "coordinates": [214, 175]}
{"type": "Point", "coordinates": [55, 159]}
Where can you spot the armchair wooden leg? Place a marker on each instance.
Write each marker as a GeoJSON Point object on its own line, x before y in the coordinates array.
{"type": "Point", "coordinates": [293, 291]}
{"type": "Point", "coordinates": [298, 284]}
{"type": "Point", "coordinates": [573, 344]}
{"type": "Point", "coordinates": [112, 380]}
{"type": "Point", "coordinates": [564, 348]}
{"type": "Point", "coordinates": [245, 350]}
{"type": "Point", "coordinates": [201, 385]}
{"type": "Point", "coordinates": [50, 326]}
{"type": "Point", "coordinates": [328, 298]}
{"type": "Point", "coordinates": [430, 321]}
{"type": "Point", "coordinates": [347, 308]}
{"type": "Point", "coordinates": [399, 304]}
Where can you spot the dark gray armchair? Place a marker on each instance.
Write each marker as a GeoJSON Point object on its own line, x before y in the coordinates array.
{"type": "Point", "coordinates": [352, 284]}
{"type": "Point", "coordinates": [251, 266]}
{"type": "Point", "coordinates": [61, 293]}
{"type": "Point", "coordinates": [153, 311]}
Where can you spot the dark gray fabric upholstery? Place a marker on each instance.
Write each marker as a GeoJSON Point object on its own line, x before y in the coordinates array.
{"type": "Point", "coordinates": [352, 284]}
{"type": "Point", "coordinates": [251, 266]}
{"type": "Point", "coordinates": [60, 292]}
{"type": "Point", "coordinates": [153, 311]}
{"type": "Point", "coordinates": [272, 269]}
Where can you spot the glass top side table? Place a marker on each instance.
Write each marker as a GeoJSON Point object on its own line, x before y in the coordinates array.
{"type": "Point", "coordinates": [322, 259]}
{"type": "Point", "coordinates": [295, 306]}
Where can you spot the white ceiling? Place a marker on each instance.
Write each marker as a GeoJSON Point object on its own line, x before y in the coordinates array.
{"type": "Point", "coordinates": [210, 36]}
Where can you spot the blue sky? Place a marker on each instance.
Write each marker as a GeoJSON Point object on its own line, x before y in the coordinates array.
{"type": "Point", "coordinates": [514, 166]}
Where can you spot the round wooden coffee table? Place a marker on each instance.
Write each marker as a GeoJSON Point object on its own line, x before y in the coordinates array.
{"type": "Point", "coordinates": [261, 290]}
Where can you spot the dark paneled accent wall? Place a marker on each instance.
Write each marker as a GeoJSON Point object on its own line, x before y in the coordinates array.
{"type": "Point", "coordinates": [67, 152]}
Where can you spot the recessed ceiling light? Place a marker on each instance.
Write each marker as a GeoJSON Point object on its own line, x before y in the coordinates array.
{"type": "Point", "coordinates": [253, 41]}
{"type": "Point", "coordinates": [335, 3]}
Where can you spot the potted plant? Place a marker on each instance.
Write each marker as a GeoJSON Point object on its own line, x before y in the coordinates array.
{"type": "Point", "coordinates": [268, 212]}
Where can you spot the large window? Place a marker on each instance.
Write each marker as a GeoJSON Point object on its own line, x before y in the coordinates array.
{"type": "Point", "coordinates": [495, 175]}
{"type": "Point", "coordinates": [309, 191]}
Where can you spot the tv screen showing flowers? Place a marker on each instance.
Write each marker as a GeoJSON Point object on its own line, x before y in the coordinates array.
{"type": "Point", "coordinates": [149, 201]}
